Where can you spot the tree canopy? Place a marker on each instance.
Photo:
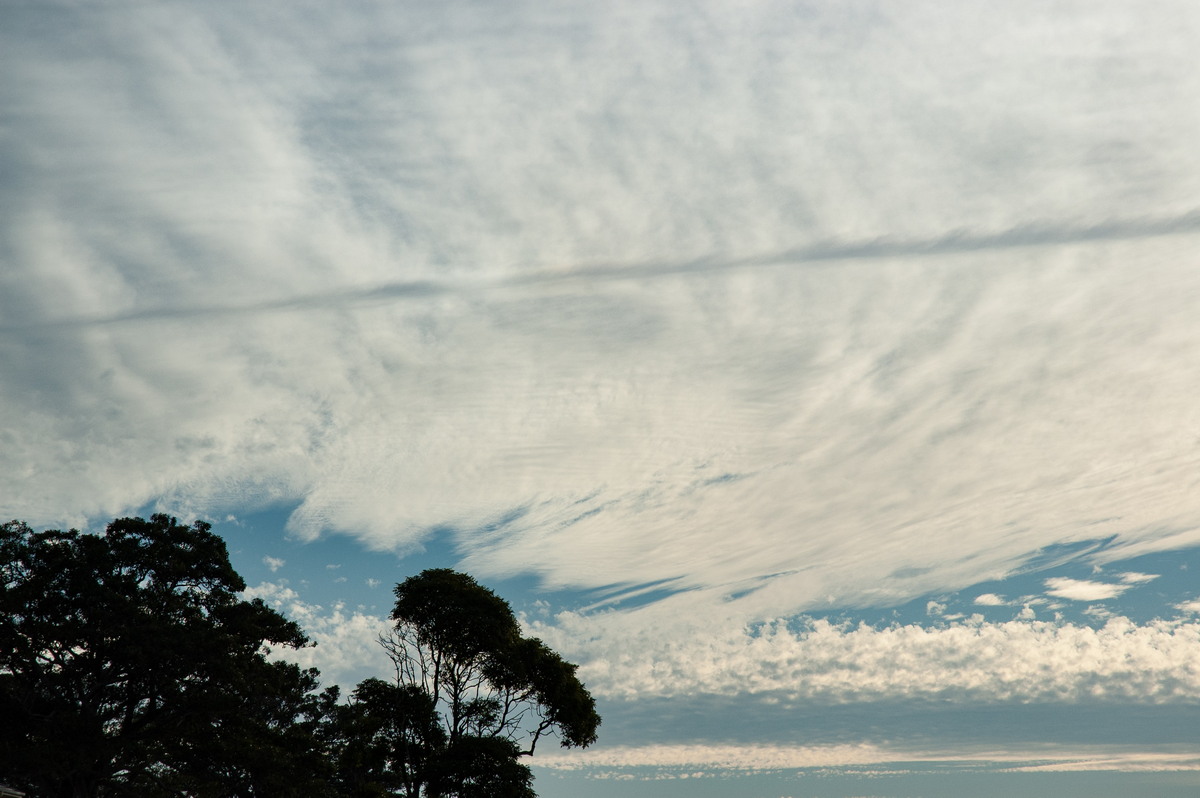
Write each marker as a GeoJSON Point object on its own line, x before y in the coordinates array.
{"type": "Point", "coordinates": [494, 693]}
{"type": "Point", "coordinates": [131, 664]}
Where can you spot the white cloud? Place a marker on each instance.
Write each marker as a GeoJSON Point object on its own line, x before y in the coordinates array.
{"type": "Point", "coordinates": [724, 759]}
{"type": "Point", "coordinates": [1083, 590]}
{"type": "Point", "coordinates": [1117, 761]}
{"type": "Point", "coordinates": [1135, 578]}
{"type": "Point", "coordinates": [274, 593]}
{"type": "Point", "coordinates": [821, 662]}
{"type": "Point", "coordinates": [717, 757]}
{"type": "Point", "coordinates": [990, 600]}
{"type": "Point", "coordinates": [1192, 606]}
{"type": "Point", "coordinates": [274, 563]}
{"type": "Point", "coordinates": [346, 648]}
{"type": "Point", "coordinates": [821, 309]}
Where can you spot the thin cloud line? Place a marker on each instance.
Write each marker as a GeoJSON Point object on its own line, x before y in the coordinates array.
{"type": "Point", "coordinates": [716, 758]}
{"type": "Point", "coordinates": [832, 252]}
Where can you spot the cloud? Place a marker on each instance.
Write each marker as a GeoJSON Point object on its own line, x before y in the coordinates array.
{"type": "Point", "coordinates": [1135, 578]}
{"type": "Point", "coordinates": [972, 660]}
{"type": "Point", "coordinates": [778, 307]}
{"type": "Point", "coordinates": [724, 759]}
{"type": "Point", "coordinates": [277, 594]}
{"type": "Point", "coordinates": [990, 600]}
{"type": "Point", "coordinates": [717, 757]}
{"type": "Point", "coordinates": [274, 563]}
{"type": "Point", "coordinates": [345, 644]}
{"type": "Point", "coordinates": [1084, 590]}
{"type": "Point", "coordinates": [1117, 761]}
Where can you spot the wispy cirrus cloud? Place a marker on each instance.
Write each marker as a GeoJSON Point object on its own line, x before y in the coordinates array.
{"type": "Point", "coordinates": [1136, 578]}
{"type": "Point", "coordinates": [783, 307]}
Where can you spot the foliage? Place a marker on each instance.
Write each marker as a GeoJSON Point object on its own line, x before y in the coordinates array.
{"type": "Point", "coordinates": [129, 665]}
{"type": "Point", "coordinates": [494, 693]}
{"type": "Point", "coordinates": [379, 743]}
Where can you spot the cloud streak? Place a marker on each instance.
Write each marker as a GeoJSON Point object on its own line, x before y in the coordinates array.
{"type": "Point", "coordinates": [1083, 589]}
{"type": "Point", "coordinates": [723, 759]}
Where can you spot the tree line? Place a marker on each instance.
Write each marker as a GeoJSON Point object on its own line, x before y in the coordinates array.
{"type": "Point", "coordinates": [130, 664]}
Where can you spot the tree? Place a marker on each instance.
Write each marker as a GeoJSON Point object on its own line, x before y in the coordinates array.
{"type": "Point", "coordinates": [493, 693]}
{"type": "Point", "coordinates": [380, 742]}
{"type": "Point", "coordinates": [130, 665]}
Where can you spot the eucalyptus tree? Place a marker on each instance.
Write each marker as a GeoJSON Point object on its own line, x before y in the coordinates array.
{"type": "Point", "coordinates": [492, 693]}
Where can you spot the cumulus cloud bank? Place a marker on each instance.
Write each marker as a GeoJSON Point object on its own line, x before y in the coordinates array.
{"type": "Point", "coordinates": [344, 642]}
{"type": "Point", "coordinates": [1022, 661]}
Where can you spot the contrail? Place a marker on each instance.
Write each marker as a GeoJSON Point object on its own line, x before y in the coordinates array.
{"type": "Point", "coordinates": [819, 253]}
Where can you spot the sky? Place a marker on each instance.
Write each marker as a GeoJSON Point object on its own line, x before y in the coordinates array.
{"type": "Point", "coordinates": [820, 376]}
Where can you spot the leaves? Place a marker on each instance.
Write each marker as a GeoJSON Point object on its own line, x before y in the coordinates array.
{"type": "Point", "coordinates": [496, 693]}
{"type": "Point", "coordinates": [452, 613]}
{"type": "Point", "coordinates": [128, 662]}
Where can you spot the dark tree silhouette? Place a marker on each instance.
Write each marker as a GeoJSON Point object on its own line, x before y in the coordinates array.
{"type": "Point", "coordinates": [129, 665]}
{"type": "Point", "coordinates": [493, 693]}
{"type": "Point", "coordinates": [380, 742]}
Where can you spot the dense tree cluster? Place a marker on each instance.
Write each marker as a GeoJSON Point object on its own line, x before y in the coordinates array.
{"type": "Point", "coordinates": [131, 665]}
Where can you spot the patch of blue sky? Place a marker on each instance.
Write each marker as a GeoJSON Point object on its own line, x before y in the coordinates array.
{"type": "Point", "coordinates": [337, 569]}
{"type": "Point", "coordinates": [326, 571]}
{"type": "Point", "coordinates": [913, 723]}
{"type": "Point", "coordinates": [1065, 583]}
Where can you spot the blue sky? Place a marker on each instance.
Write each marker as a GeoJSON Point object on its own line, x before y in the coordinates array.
{"type": "Point", "coordinates": [820, 376]}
